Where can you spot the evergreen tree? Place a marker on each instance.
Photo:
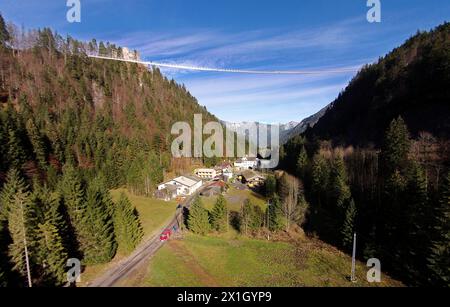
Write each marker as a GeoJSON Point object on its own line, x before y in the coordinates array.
{"type": "Point", "coordinates": [102, 49]}
{"type": "Point", "coordinates": [20, 214]}
{"type": "Point", "coordinates": [16, 153]}
{"type": "Point", "coordinates": [320, 178]}
{"type": "Point", "coordinates": [52, 254]}
{"type": "Point", "coordinates": [99, 245]}
{"type": "Point", "coordinates": [275, 216]}
{"type": "Point", "coordinates": [246, 217]}
{"type": "Point", "coordinates": [417, 225]}
{"type": "Point", "coordinates": [73, 197]}
{"type": "Point", "coordinates": [302, 162]}
{"type": "Point", "coordinates": [198, 220]}
{"type": "Point", "coordinates": [348, 228]}
{"type": "Point", "coordinates": [340, 191]}
{"type": "Point", "coordinates": [396, 146]}
{"type": "Point", "coordinates": [439, 255]}
{"type": "Point", "coordinates": [219, 215]}
{"type": "Point", "coordinates": [4, 34]}
{"type": "Point", "coordinates": [37, 143]}
{"type": "Point", "coordinates": [391, 224]}
{"type": "Point", "coordinates": [257, 217]}
{"type": "Point", "coordinates": [4, 261]}
{"type": "Point", "coordinates": [127, 227]}
{"type": "Point", "coordinates": [270, 186]}
{"type": "Point", "coordinates": [52, 235]}
{"type": "Point", "coordinates": [3, 149]}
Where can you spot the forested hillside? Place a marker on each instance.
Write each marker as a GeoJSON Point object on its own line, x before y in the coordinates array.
{"type": "Point", "coordinates": [72, 128]}
{"type": "Point", "coordinates": [412, 81]}
{"type": "Point", "coordinates": [394, 195]}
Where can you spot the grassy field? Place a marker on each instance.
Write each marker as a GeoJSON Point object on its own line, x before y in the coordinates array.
{"type": "Point", "coordinates": [154, 214]}
{"type": "Point", "coordinates": [235, 198]}
{"type": "Point", "coordinates": [219, 261]}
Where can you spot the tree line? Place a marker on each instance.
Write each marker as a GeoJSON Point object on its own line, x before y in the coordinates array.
{"type": "Point", "coordinates": [395, 199]}
{"type": "Point", "coordinates": [42, 228]}
{"type": "Point", "coordinates": [286, 207]}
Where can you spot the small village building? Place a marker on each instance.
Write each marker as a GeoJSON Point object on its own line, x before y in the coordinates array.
{"type": "Point", "coordinates": [227, 174]}
{"type": "Point", "coordinates": [251, 178]}
{"type": "Point", "coordinates": [215, 188]}
{"type": "Point", "coordinates": [246, 163]}
{"type": "Point", "coordinates": [168, 193]}
{"type": "Point", "coordinates": [180, 186]}
{"type": "Point", "coordinates": [224, 171]}
{"type": "Point", "coordinates": [206, 173]}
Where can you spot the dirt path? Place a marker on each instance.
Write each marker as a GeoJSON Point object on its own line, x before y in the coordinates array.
{"type": "Point", "coordinates": [183, 254]}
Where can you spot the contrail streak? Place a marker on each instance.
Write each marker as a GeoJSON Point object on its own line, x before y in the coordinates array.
{"type": "Point", "coordinates": [237, 71]}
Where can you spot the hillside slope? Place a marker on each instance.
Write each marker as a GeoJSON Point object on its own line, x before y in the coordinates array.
{"type": "Point", "coordinates": [72, 128]}
{"type": "Point", "coordinates": [102, 116]}
{"type": "Point", "coordinates": [412, 81]}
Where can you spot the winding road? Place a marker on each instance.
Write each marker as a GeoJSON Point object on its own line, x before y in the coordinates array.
{"type": "Point", "coordinates": [146, 250]}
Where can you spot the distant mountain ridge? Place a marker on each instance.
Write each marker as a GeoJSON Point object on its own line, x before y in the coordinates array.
{"type": "Point", "coordinates": [306, 123]}
{"type": "Point", "coordinates": [284, 129]}
{"type": "Point", "coordinates": [412, 81]}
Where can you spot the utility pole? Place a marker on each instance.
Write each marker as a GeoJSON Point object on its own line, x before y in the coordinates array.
{"type": "Point", "coordinates": [353, 275]}
{"type": "Point", "coordinates": [268, 220]}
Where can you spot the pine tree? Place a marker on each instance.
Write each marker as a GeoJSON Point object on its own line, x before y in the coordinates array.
{"type": "Point", "coordinates": [16, 153]}
{"type": "Point", "coordinates": [16, 197]}
{"type": "Point", "coordinates": [4, 35]}
{"type": "Point", "coordinates": [392, 217]}
{"type": "Point", "coordinates": [37, 143]}
{"type": "Point", "coordinates": [275, 216]}
{"type": "Point", "coordinates": [198, 220]}
{"type": "Point", "coordinates": [4, 263]}
{"type": "Point", "coordinates": [397, 143]}
{"type": "Point", "coordinates": [127, 228]}
{"type": "Point", "coordinates": [270, 186]}
{"type": "Point", "coordinates": [73, 197]}
{"type": "Point", "coordinates": [302, 162]}
{"type": "Point", "coordinates": [246, 217]}
{"type": "Point", "coordinates": [49, 207]}
{"type": "Point", "coordinates": [439, 254]}
{"type": "Point", "coordinates": [3, 149]}
{"type": "Point", "coordinates": [52, 236]}
{"type": "Point", "coordinates": [102, 49]}
{"type": "Point", "coordinates": [257, 217]}
{"type": "Point", "coordinates": [348, 228]}
{"type": "Point", "coordinates": [340, 191]}
{"type": "Point", "coordinates": [52, 254]}
{"type": "Point", "coordinates": [219, 218]}
{"type": "Point", "coordinates": [99, 244]}
{"type": "Point", "coordinates": [417, 225]}
{"type": "Point", "coordinates": [320, 178]}
{"type": "Point", "coordinates": [72, 191]}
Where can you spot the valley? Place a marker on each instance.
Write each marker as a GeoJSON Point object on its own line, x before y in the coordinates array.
{"type": "Point", "coordinates": [112, 162]}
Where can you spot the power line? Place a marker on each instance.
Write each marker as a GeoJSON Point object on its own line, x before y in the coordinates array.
{"type": "Point", "coordinates": [238, 71]}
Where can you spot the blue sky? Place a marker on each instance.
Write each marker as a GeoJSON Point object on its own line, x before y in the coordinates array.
{"type": "Point", "coordinates": [245, 34]}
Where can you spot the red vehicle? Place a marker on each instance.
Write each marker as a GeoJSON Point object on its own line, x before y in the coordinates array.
{"type": "Point", "coordinates": [165, 235]}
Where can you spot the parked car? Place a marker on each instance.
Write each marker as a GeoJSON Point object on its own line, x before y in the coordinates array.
{"type": "Point", "coordinates": [165, 235]}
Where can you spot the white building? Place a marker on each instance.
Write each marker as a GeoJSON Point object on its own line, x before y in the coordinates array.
{"type": "Point", "coordinates": [227, 174]}
{"type": "Point", "coordinates": [246, 163]}
{"type": "Point", "coordinates": [182, 186]}
{"type": "Point", "coordinates": [206, 173]}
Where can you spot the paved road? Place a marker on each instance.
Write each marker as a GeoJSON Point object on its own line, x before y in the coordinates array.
{"type": "Point", "coordinates": [139, 256]}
